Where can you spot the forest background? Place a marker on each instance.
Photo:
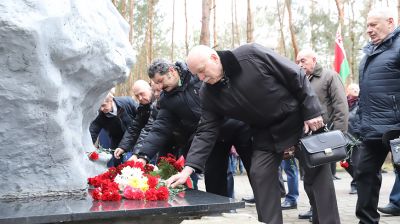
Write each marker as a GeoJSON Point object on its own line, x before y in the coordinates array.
{"type": "Point", "coordinates": [169, 28]}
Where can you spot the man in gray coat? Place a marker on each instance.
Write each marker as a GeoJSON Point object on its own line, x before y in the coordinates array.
{"type": "Point", "coordinates": [270, 93]}
{"type": "Point", "coordinates": [331, 94]}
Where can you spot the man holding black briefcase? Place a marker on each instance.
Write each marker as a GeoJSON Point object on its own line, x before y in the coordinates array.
{"type": "Point", "coordinates": [332, 96]}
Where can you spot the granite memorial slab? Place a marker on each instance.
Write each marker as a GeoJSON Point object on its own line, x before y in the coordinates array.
{"type": "Point", "coordinates": [186, 205]}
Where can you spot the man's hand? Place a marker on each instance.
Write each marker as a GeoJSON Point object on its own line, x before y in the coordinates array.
{"type": "Point", "coordinates": [313, 124]}
{"type": "Point", "coordinates": [118, 152]}
{"type": "Point", "coordinates": [180, 178]}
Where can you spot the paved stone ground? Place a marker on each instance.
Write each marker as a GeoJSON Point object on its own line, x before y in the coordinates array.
{"type": "Point", "coordinates": [346, 203]}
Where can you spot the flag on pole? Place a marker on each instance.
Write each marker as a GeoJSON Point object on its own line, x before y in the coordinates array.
{"type": "Point", "coordinates": [341, 64]}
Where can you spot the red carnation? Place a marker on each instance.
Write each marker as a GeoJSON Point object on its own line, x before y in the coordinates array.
{"type": "Point", "coordinates": [148, 168]}
{"type": "Point", "coordinates": [189, 183]}
{"type": "Point", "coordinates": [110, 195]}
{"type": "Point", "coordinates": [132, 164]}
{"type": "Point", "coordinates": [344, 164]}
{"type": "Point", "coordinates": [152, 181]}
{"type": "Point", "coordinates": [132, 193]}
{"type": "Point", "coordinates": [93, 156]}
{"type": "Point", "coordinates": [179, 163]}
{"type": "Point", "coordinates": [96, 194]}
{"type": "Point", "coordinates": [162, 193]}
{"type": "Point", "coordinates": [151, 194]}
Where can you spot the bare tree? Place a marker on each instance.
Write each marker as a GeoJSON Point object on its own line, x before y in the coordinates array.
{"type": "Point", "coordinates": [186, 30]}
{"type": "Point", "coordinates": [173, 30]}
{"type": "Point", "coordinates": [149, 32]}
{"type": "Point", "coordinates": [215, 23]}
{"type": "Point", "coordinates": [398, 12]}
{"type": "Point", "coordinates": [205, 23]}
{"type": "Point", "coordinates": [340, 9]}
{"type": "Point", "coordinates": [131, 17]}
{"type": "Point", "coordinates": [123, 8]}
{"type": "Point", "coordinates": [281, 16]}
{"type": "Point", "coordinates": [312, 8]}
{"type": "Point", "coordinates": [115, 3]}
{"type": "Point", "coordinates": [352, 58]}
{"type": "Point", "coordinates": [291, 28]}
{"type": "Point", "coordinates": [250, 26]}
{"type": "Point", "coordinates": [233, 24]}
{"type": "Point", "coordinates": [237, 39]}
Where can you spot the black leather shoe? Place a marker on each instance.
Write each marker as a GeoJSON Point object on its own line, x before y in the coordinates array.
{"type": "Point", "coordinates": [353, 190]}
{"type": "Point", "coordinates": [334, 177]}
{"type": "Point", "coordinates": [305, 215]}
{"type": "Point", "coordinates": [250, 200]}
{"type": "Point", "coordinates": [390, 209]}
{"type": "Point", "coordinates": [288, 205]}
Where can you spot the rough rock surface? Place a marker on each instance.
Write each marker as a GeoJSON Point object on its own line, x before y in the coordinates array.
{"type": "Point", "coordinates": [58, 58]}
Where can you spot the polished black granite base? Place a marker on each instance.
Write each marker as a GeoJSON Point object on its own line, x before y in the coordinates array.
{"type": "Point", "coordinates": [186, 205]}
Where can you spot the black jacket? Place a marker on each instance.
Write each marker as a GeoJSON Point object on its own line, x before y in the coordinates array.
{"type": "Point", "coordinates": [137, 132]}
{"type": "Point", "coordinates": [379, 103]}
{"type": "Point", "coordinates": [179, 109]}
{"type": "Point", "coordinates": [354, 120]}
{"type": "Point", "coordinates": [261, 88]}
{"type": "Point", "coordinates": [117, 125]}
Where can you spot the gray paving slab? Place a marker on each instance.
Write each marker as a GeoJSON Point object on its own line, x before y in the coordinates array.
{"type": "Point", "coordinates": [346, 202]}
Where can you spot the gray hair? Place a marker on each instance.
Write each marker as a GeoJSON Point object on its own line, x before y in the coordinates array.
{"type": "Point", "coordinates": [159, 66]}
{"type": "Point", "coordinates": [384, 13]}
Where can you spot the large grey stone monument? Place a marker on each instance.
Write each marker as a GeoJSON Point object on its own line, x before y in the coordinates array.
{"type": "Point", "coordinates": [58, 58]}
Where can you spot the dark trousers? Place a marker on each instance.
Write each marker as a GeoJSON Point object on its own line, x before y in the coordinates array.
{"type": "Point", "coordinates": [216, 175]}
{"type": "Point", "coordinates": [318, 184]}
{"type": "Point", "coordinates": [320, 190]}
{"type": "Point", "coordinates": [369, 179]}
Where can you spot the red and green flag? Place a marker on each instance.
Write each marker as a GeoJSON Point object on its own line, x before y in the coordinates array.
{"type": "Point", "coordinates": [341, 64]}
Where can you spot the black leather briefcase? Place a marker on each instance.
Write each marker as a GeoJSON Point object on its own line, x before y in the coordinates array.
{"type": "Point", "coordinates": [323, 148]}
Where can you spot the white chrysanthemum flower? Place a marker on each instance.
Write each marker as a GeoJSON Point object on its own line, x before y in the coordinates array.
{"type": "Point", "coordinates": [127, 174]}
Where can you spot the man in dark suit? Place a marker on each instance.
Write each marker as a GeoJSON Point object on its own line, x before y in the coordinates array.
{"type": "Point", "coordinates": [273, 96]}
{"type": "Point", "coordinates": [116, 115]}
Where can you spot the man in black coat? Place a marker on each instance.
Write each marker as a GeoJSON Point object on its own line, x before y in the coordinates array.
{"type": "Point", "coordinates": [145, 116]}
{"type": "Point", "coordinates": [379, 108]}
{"type": "Point", "coordinates": [271, 94]}
{"type": "Point", "coordinates": [116, 115]}
{"type": "Point", "coordinates": [180, 108]}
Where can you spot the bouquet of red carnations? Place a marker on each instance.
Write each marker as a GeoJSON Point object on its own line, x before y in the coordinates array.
{"type": "Point", "coordinates": [136, 181]}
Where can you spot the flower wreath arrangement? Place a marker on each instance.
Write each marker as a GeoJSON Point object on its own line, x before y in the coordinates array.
{"type": "Point", "coordinates": [135, 181]}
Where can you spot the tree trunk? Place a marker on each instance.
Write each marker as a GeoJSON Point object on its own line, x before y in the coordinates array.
{"type": "Point", "coordinates": [205, 23]}
{"type": "Point", "coordinates": [312, 40]}
{"type": "Point", "coordinates": [282, 44]}
{"type": "Point", "coordinates": [173, 30]}
{"type": "Point", "coordinates": [215, 24]}
{"type": "Point", "coordinates": [292, 34]}
{"type": "Point", "coordinates": [149, 32]}
{"type": "Point", "coordinates": [233, 24]}
{"type": "Point", "coordinates": [131, 17]}
{"type": "Point", "coordinates": [186, 30]}
{"type": "Point", "coordinates": [340, 9]}
{"type": "Point", "coordinates": [398, 12]}
{"type": "Point", "coordinates": [250, 26]}
{"type": "Point", "coordinates": [237, 33]}
{"type": "Point", "coordinates": [353, 56]}
{"type": "Point", "coordinates": [123, 8]}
